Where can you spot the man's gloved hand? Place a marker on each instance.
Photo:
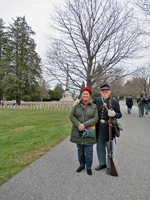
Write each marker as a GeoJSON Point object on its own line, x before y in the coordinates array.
{"type": "Point", "coordinates": [111, 113]}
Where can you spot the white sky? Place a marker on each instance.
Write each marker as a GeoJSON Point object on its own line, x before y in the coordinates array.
{"type": "Point", "coordinates": [36, 13]}
{"type": "Point", "coordinates": [37, 16]}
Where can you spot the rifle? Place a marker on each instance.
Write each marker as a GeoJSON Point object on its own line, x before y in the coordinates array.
{"type": "Point", "coordinates": [112, 165]}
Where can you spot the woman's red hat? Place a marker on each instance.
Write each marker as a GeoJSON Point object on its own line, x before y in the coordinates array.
{"type": "Point", "coordinates": [87, 89]}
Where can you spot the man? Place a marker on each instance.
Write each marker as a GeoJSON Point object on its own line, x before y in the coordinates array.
{"type": "Point", "coordinates": [129, 104]}
{"type": "Point", "coordinates": [147, 105]}
{"type": "Point", "coordinates": [149, 102]}
{"type": "Point", "coordinates": [102, 127]}
{"type": "Point", "coordinates": [141, 102]}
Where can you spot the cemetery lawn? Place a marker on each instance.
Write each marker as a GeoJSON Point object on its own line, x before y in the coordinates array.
{"type": "Point", "coordinates": [25, 135]}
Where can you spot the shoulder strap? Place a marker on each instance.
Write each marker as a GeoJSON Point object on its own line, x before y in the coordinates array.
{"type": "Point", "coordinates": [104, 104]}
{"type": "Point", "coordinates": [140, 100]}
{"type": "Point", "coordinates": [82, 114]}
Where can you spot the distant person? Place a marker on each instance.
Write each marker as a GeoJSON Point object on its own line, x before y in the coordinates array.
{"type": "Point", "coordinates": [147, 105]}
{"type": "Point", "coordinates": [129, 104]}
{"type": "Point", "coordinates": [118, 99]}
{"type": "Point", "coordinates": [141, 101]}
{"type": "Point", "coordinates": [84, 145]}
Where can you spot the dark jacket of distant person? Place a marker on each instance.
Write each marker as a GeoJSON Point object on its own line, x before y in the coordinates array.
{"type": "Point", "coordinates": [129, 102]}
{"type": "Point", "coordinates": [142, 100]}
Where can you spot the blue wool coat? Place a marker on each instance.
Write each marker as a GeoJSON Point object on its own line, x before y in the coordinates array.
{"type": "Point", "coordinates": [103, 114]}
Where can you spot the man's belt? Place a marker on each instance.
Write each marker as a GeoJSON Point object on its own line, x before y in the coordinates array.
{"type": "Point", "coordinates": [103, 121]}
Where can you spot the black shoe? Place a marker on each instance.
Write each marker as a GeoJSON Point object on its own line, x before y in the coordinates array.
{"type": "Point", "coordinates": [89, 172]}
{"type": "Point", "coordinates": [101, 167]}
{"type": "Point", "coordinates": [79, 169]}
{"type": "Point", "coordinates": [108, 171]}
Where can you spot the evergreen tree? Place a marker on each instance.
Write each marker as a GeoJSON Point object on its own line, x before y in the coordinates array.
{"type": "Point", "coordinates": [3, 61]}
{"type": "Point", "coordinates": [59, 88]}
{"type": "Point", "coordinates": [33, 94]}
{"type": "Point", "coordinates": [25, 62]}
{"type": "Point", "coordinates": [55, 95]}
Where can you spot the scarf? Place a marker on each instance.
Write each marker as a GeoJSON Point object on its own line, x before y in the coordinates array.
{"type": "Point", "coordinates": [84, 103]}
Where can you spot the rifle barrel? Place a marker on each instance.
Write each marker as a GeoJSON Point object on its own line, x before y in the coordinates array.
{"type": "Point", "coordinates": [112, 165]}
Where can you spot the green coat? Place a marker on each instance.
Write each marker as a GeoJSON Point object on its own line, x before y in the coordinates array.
{"type": "Point", "coordinates": [90, 119]}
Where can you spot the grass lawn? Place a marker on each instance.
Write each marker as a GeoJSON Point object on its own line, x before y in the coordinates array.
{"type": "Point", "coordinates": [25, 135]}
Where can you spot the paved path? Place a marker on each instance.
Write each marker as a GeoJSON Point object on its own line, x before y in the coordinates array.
{"type": "Point", "coordinates": [53, 176]}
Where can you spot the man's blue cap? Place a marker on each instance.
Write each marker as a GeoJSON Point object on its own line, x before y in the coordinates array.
{"type": "Point", "coordinates": [105, 87]}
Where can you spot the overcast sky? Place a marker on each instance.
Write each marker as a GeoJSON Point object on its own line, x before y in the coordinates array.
{"type": "Point", "coordinates": [37, 16]}
{"type": "Point", "coordinates": [36, 13]}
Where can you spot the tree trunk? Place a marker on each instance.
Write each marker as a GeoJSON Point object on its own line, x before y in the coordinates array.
{"type": "Point", "coordinates": [89, 77]}
{"type": "Point", "coordinates": [18, 99]}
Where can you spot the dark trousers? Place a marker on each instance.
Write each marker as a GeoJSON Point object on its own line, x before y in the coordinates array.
{"type": "Point", "coordinates": [85, 155]}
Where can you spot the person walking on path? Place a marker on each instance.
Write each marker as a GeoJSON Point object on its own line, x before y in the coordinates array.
{"type": "Point", "coordinates": [129, 104]}
{"type": "Point", "coordinates": [141, 101]}
{"type": "Point", "coordinates": [118, 99]}
{"type": "Point", "coordinates": [147, 105]}
{"type": "Point", "coordinates": [84, 144]}
{"type": "Point", "coordinates": [102, 127]}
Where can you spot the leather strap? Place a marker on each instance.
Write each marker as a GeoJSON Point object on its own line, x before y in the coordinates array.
{"type": "Point", "coordinates": [82, 114]}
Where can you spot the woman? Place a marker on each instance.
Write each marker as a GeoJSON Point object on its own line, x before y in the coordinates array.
{"type": "Point", "coordinates": [84, 144]}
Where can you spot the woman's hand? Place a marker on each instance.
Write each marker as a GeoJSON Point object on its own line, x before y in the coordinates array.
{"type": "Point", "coordinates": [81, 127]}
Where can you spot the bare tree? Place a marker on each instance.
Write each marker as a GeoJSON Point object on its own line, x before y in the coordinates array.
{"type": "Point", "coordinates": [144, 5]}
{"type": "Point", "coordinates": [140, 82]}
{"type": "Point", "coordinates": [92, 33]}
{"type": "Point", "coordinates": [44, 89]}
{"type": "Point", "coordinates": [143, 79]}
{"type": "Point", "coordinates": [132, 88]}
{"type": "Point", "coordinates": [116, 80]}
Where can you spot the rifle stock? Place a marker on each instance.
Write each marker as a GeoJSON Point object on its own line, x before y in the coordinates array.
{"type": "Point", "coordinates": [113, 168]}
{"type": "Point", "coordinates": [112, 165]}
